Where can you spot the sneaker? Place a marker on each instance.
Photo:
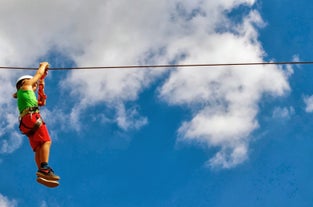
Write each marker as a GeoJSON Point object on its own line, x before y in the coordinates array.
{"type": "Point", "coordinates": [48, 183]}
{"type": "Point", "coordinates": [47, 173]}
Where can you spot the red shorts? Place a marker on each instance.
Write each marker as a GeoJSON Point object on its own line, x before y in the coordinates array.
{"type": "Point", "coordinates": [40, 136]}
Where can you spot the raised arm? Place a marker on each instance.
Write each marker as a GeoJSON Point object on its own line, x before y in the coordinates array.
{"type": "Point", "coordinates": [28, 83]}
{"type": "Point", "coordinates": [40, 72]}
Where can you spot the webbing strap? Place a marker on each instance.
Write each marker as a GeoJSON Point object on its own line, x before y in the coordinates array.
{"type": "Point", "coordinates": [42, 97]}
{"type": "Point", "coordinates": [28, 110]}
{"type": "Point", "coordinates": [33, 129]}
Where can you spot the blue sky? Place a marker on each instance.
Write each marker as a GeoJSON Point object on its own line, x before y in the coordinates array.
{"type": "Point", "coordinates": [226, 136]}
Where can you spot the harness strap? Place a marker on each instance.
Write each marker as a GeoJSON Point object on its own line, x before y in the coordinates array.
{"type": "Point", "coordinates": [42, 97]}
{"type": "Point", "coordinates": [28, 110]}
{"type": "Point", "coordinates": [33, 129]}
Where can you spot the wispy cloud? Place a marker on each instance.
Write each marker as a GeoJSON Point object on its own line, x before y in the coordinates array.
{"type": "Point", "coordinates": [308, 100]}
{"type": "Point", "coordinates": [6, 202]}
{"type": "Point", "coordinates": [10, 140]}
{"type": "Point", "coordinates": [12, 143]}
{"type": "Point", "coordinates": [131, 114]}
{"type": "Point", "coordinates": [43, 204]}
{"type": "Point", "coordinates": [283, 113]}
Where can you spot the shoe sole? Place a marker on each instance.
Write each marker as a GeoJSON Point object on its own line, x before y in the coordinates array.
{"type": "Point", "coordinates": [48, 183]}
{"type": "Point", "coordinates": [47, 177]}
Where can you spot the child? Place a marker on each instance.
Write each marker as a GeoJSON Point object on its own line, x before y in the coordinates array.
{"type": "Point", "coordinates": [32, 125]}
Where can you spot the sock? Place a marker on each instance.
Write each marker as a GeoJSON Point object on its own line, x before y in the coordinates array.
{"type": "Point", "coordinates": [44, 165]}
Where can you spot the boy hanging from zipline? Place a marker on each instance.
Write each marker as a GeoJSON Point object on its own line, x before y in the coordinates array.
{"type": "Point", "coordinates": [32, 125]}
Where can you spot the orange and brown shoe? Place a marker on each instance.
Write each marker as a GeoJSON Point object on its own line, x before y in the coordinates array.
{"type": "Point", "coordinates": [48, 183]}
{"type": "Point", "coordinates": [47, 173]}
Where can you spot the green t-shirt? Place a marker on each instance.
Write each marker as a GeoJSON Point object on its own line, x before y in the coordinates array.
{"type": "Point", "coordinates": [25, 99]}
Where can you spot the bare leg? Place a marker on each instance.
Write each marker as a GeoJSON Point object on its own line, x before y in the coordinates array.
{"type": "Point", "coordinates": [42, 153]}
{"type": "Point", "coordinates": [37, 157]}
{"type": "Point", "coordinates": [45, 173]}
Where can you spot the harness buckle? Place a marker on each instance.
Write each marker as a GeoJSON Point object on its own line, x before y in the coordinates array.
{"type": "Point", "coordinates": [28, 110]}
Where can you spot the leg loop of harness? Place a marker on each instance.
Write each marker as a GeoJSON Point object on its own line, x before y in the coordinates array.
{"type": "Point", "coordinates": [33, 129]}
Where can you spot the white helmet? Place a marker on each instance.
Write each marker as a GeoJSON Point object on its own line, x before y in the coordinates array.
{"type": "Point", "coordinates": [23, 77]}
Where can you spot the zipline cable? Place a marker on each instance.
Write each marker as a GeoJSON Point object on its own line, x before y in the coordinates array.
{"type": "Point", "coordinates": [167, 65]}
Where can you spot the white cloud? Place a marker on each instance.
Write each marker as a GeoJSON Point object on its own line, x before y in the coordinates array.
{"type": "Point", "coordinates": [223, 101]}
{"type": "Point", "coordinates": [229, 156]}
{"type": "Point", "coordinates": [43, 204]}
{"type": "Point", "coordinates": [10, 140]}
{"type": "Point", "coordinates": [132, 114]}
{"type": "Point", "coordinates": [283, 113]}
{"type": "Point", "coordinates": [6, 202]}
{"type": "Point", "coordinates": [308, 100]}
{"type": "Point", "coordinates": [12, 143]}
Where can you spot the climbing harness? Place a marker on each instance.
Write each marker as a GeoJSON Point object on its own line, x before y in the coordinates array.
{"type": "Point", "coordinates": [30, 130]}
{"type": "Point", "coordinates": [29, 110]}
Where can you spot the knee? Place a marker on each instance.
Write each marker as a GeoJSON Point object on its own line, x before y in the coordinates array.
{"type": "Point", "coordinates": [45, 145]}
